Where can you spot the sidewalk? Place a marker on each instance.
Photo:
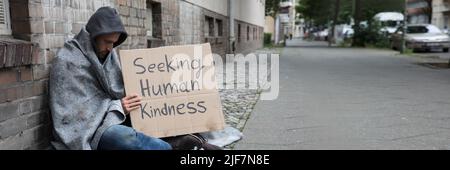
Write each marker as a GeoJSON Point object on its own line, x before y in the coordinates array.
{"type": "Point", "coordinates": [238, 104]}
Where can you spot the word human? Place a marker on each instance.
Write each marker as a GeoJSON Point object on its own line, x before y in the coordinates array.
{"type": "Point", "coordinates": [164, 89]}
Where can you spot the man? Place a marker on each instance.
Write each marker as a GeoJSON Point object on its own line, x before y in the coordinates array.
{"type": "Point", "coordinates": [87, 98]}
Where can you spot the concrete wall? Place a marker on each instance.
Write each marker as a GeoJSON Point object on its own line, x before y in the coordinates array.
{"type": "Point", "coordinates": [218, 6]}
{"type": "Point", "coordinates": [441, 13]}
{"type": "Point", "coordinates": [250, 11]}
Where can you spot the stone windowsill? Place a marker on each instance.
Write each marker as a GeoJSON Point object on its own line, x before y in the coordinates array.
{"type": "Point", "coordinates": [14, 52]}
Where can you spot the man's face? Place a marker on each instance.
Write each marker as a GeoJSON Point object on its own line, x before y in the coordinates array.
{"type": "Point", "coordinates": [105, 43]}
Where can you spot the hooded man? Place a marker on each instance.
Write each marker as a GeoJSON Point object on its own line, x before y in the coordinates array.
{"type": "Point", "coordinates": [87, 98]}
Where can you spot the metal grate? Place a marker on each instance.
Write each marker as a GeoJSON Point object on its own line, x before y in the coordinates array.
{"type": "Point", "coordinates": [2, 13]}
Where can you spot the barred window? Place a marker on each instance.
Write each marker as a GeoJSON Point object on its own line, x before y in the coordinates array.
{"type": "Point", "coordinates": [5, 22]}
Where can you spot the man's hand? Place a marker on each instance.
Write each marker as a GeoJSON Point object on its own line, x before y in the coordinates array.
{"type": "Point", "coordinates": [130, 103]}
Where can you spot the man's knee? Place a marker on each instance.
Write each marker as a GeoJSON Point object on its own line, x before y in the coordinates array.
{"type": "Point", "coordinates": [120, 134]}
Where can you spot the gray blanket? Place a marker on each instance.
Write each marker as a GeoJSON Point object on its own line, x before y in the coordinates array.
{"type": "Point", "coordinates": [84, 93]}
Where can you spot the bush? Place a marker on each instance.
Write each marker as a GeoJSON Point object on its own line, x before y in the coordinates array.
{"type": "Point", "coordinates": [267, 38]}
{"type": "Point", "coordinates": [371, 36]}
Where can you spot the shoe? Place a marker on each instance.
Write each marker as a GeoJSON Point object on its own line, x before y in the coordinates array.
{"type": "Point", "coordinates": [190, 142]}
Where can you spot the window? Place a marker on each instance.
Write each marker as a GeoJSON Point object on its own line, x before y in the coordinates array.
{"type": "Point", "coordinates": [5, 22]}
{"type": "Point", "coordinates": [209, 26]}
{"type": "Point", "coordinates": [219, 26]}
{"type": "Point", "coordinates": [239, 32]}
{"type": "Point", "coordinates": [248, 33]}
{"type": "Point", "coordinates": [254, 33]}
{"type": "Point", "coordinates": [153, 20]}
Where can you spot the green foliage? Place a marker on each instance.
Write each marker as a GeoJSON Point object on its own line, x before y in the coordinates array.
{"type": "Point", "coordinates": [272, 7]}
{"type": "Point", "coordinates": [320, 13]}
{"type": "Point", "coordinates": [322, 10]}
{"type": "Point", "coordinates": [267, 38]}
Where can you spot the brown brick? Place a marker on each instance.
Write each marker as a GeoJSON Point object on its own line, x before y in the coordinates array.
{"type": "Point", "coordinates": [26, 74]}
{"type": "Point", "coordinates": [8, 76]}
{"type": "Point", "coordinates": [18, 54]}
{"type": "Point", "coordinates": [27, 54]}
{"type": "Point", "coordinates": [10, 55]}
{"type": "Point", "coordinates": [36, 55]}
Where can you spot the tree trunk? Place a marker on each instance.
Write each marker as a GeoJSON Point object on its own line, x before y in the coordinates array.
{"type": "Point", "coordinates": [357, 29]}
{"type": "Point", "coordinates": [336, 15]}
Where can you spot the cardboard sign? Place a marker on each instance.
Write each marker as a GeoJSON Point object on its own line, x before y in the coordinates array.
{"type": "Point", "coordinates": [178, 88]}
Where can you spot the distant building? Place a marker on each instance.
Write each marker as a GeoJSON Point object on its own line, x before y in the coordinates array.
{"type": "Point", "coordinates": [284, 23]}
{"type": "Point", "coordinates": [419, 11]}
{"type": "Point", "coordinates": [441, 13]}
{"type": "Point", "coordinates": [269, 27]}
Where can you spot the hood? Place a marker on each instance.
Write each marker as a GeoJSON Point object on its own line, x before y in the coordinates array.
{"type": "Point", "coordinates": [390, 30]}
{"type": "Point", "coordinates": [106, 20]}
{"type": "Point", "coordinates": [427, 37]}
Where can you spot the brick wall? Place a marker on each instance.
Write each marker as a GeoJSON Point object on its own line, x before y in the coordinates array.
{"type": "Point", "coordinates": [45, 25]}
{"type": "Point", "coordinates": [248, 42]}
{"type": "Point", "coordinates": [192, 27]}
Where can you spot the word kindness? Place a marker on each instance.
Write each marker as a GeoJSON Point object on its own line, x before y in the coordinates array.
{"type": "Point", "coordinates": [150, 111]}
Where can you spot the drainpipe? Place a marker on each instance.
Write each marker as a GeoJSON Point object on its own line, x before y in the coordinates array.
{"type": "Point", "coordinates": [231, 34]}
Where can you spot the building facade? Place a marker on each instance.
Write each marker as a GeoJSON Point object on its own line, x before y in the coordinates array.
{"type": "Point", "coordinates": [419, 11]}
{"type": "Point", "coordinates": [441, 13]}
{"type": "Point", "coordinates": [32, 32]}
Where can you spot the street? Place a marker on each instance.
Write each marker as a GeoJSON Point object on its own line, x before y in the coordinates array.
{"type": "Point", "coordinates": [349, 98]}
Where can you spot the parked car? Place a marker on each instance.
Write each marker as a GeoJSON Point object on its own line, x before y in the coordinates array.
{"type": "Point", "coordinates": [421, 37]}
{"type": "Point", "coordinates": [323, 35]}
{"type": "Point", "coordinates": [390, 21]}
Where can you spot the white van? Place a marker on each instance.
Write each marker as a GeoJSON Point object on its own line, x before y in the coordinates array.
{"type": "Point", "coordinates": [390, 21]}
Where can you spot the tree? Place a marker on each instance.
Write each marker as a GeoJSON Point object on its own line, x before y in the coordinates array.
{"type": "Point", "coordinates": [335, 19]}
{"type": "Point", "coordinates": [272, 7]}
{"type": "Point", "coordinates": [317, 12]}
{"type": "Point", "coordinates": [322, 12]}
{"type": "Point", "coordinates": [428, 10]}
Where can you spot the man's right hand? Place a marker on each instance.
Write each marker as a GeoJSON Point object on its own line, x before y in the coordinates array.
{"type": "Point", "coordinates": [130, 103]}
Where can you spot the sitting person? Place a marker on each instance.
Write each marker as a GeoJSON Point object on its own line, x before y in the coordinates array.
{"type": "Point", "coordinates": [87, 100]}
